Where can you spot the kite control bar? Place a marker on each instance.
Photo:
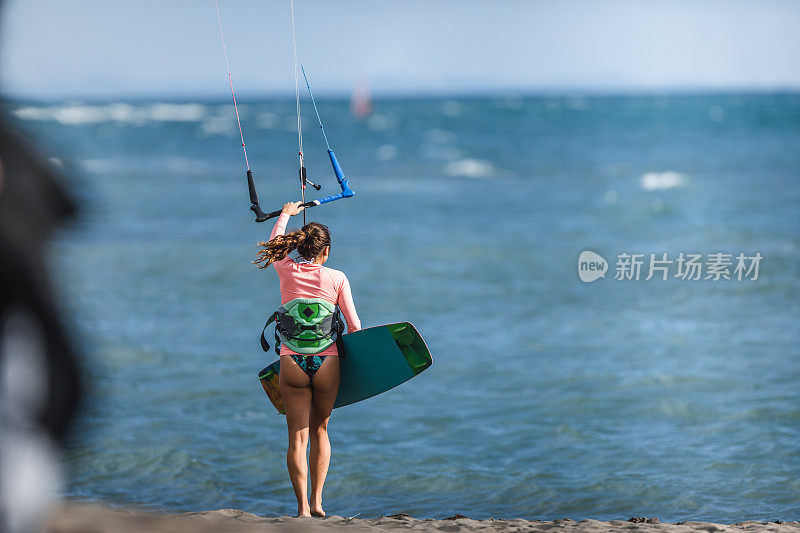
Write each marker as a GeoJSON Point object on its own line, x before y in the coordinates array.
{"type": "Point", "coordinates": [347, 192]}
{"type": "Point", "coordinates": [255, 207]}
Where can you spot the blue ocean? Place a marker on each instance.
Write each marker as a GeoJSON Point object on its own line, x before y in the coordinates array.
{"type": "Point", "coordinates": [549, 396]}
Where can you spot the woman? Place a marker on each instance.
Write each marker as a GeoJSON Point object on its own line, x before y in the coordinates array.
{"type": "Point", "coordinates": [309, 383]}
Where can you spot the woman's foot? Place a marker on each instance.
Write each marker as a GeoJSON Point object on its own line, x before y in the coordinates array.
{"type": "Point", "coordinates": [317, 511]}
{"type": "Point", "coordinates": [303, 512]}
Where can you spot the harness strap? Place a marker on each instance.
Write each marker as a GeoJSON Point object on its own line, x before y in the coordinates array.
{"type": "Point", "coordinates": [264, 343]}
{"type": "Point", "coordinates": [339, 342]}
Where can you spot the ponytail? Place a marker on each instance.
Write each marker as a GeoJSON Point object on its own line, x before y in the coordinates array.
{"type": "Point", "coordinates": [310, 241]}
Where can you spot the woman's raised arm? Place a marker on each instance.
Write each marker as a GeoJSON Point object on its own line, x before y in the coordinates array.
{"type": "Point", "coordinates": [289, 209]}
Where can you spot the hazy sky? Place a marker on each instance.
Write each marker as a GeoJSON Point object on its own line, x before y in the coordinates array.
{"type": "Point", "coordinates": [58, 48]}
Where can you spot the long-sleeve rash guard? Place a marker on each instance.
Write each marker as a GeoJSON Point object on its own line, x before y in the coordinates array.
{"type": "Point", "coordinates": [310, 280]}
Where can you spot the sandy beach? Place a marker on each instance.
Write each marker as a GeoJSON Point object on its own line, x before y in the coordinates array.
{"type": "Point", "coordinates": [73, 518]}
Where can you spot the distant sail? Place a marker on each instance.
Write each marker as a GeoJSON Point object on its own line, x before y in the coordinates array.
{"type": "Point", "coordinates": [360, 104]}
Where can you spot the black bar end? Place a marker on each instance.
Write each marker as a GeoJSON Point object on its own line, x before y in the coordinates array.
{"type": "Point", "coordinates": [261, 216]}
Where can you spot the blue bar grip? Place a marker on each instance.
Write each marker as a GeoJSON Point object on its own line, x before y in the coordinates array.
{"type": "Point", "coordinates": [331, 198]}
{"type": "Point", "coordinates": [347, 192]}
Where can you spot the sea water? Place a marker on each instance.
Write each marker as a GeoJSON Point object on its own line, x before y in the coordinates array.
{"type": "Point", "coordinates": [549, 397]}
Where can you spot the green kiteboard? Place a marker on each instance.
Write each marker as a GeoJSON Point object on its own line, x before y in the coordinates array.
{"type": "Point", "coordinates": [377, 359]}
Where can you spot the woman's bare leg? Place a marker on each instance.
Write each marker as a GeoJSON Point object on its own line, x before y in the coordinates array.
{"type": "Point", "coordinates": [325, 385]}
{"type": "Point", "coordinates": [296, 391]}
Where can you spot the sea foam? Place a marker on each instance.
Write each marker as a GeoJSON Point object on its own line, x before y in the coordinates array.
{"type": "Point", "coordinates": [469, 168]}
{"type": "Point", "coordinates": [657, 181]}
{"type": "Point", "coordinates": [81, 114]}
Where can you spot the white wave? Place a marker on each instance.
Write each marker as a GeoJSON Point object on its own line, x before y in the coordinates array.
{"type": "Point", "coordinates": [469, 168]}
{"type": "Point", "coordinates": [659, 181]}
{"type": "Point", "coordinates": [77, 114]}
{"type": "Point", "coordinates": [28, 113]}
{"type": "Point", "coordinates": [81, 114]}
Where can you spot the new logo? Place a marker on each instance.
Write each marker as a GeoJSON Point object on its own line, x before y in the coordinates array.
{"type": "Point", "coordinates": [591, 266]}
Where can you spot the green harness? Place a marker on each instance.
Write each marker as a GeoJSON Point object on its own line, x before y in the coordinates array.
{"type": "Point", "coordinates": [306, 326]}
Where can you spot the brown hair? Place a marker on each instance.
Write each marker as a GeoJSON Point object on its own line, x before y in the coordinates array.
{"type": "Point", "coordinates": [310, 241]}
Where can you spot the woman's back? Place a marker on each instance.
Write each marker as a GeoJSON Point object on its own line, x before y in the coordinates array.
{"type": "Point", "coordinates": [301, 278]}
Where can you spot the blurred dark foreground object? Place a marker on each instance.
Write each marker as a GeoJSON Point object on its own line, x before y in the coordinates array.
{"type": "Point", "coordinates": [39, 380]}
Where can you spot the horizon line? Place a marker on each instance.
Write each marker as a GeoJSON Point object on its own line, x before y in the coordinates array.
{"type": "Point", "coordinates": [377, 95]}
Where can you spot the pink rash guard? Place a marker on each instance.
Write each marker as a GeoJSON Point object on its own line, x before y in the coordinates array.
{"type": "Point", "coordinates": [310, 280]}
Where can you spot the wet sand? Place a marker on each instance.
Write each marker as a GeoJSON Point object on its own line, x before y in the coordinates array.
{"type": "Point", "coordinates": [74, 518]}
